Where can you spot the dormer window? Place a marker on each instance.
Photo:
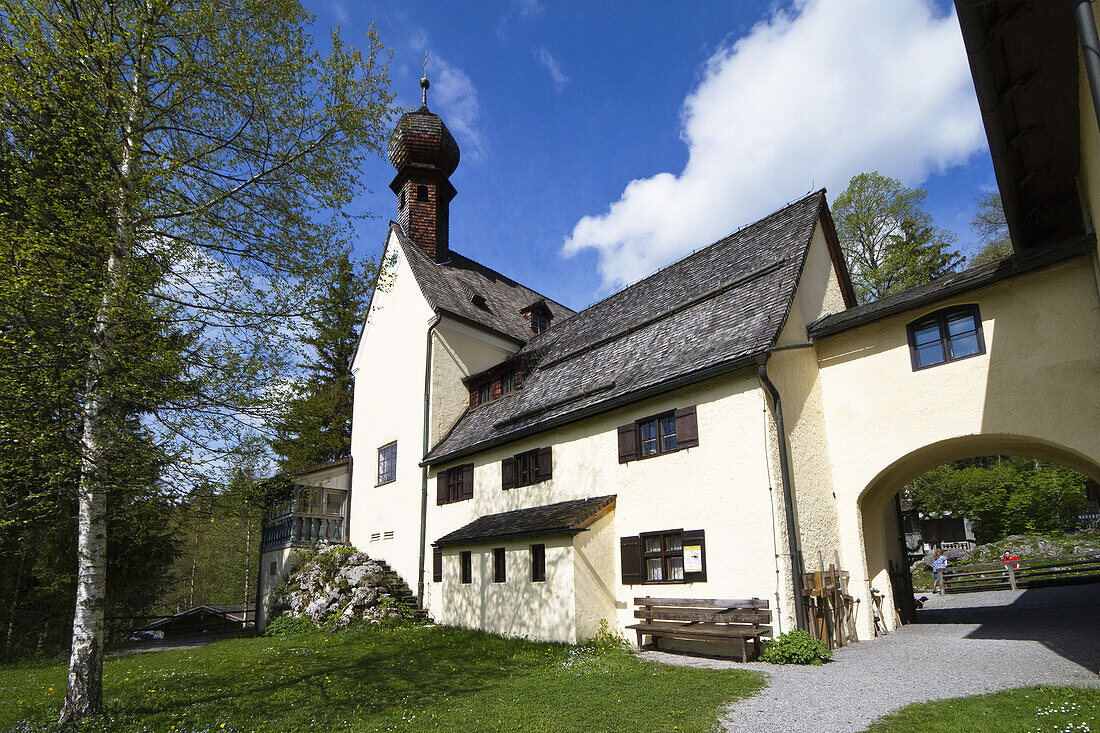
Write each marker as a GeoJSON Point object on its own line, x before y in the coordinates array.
{"type": "Point", "coordinates": [537, 316]}
{"type": "Point", "coordinates": [946, 335]}
{"type": "Point", "coordinates": [494, 385]}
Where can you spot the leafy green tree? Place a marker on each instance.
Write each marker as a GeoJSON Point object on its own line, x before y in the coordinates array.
{"type": "Point", "coordinates": [888, 239]}
{"type": "Point", "coordinates": [222, 149]}
{"type": "Point", "coordinates": [315, 426]}
{"type": "Point", "coordinates": [1003, 496]}
{"type": "Point", "coordinates": [992, 229]}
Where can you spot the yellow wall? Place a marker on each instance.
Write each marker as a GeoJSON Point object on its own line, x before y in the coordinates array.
{"type": "Point", "coordinates": [1036, 392]}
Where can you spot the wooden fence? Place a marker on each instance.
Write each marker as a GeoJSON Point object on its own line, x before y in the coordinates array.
{"type": "Point", "coordinates": [1031, 573]}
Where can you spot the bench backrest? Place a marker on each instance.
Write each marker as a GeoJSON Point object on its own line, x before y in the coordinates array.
{"type": "Point", "coordinates": [753, 611]}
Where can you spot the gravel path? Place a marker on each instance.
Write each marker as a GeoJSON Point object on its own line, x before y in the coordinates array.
{"type": "Point", "coordinates": [962, 645]}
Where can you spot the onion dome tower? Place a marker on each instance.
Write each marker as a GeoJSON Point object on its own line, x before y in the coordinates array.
{"type": "Point", "coordinates": [425, 155]}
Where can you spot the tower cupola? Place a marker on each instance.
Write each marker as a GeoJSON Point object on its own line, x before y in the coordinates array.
{"type": "Point", "coordinates": [425, 155]}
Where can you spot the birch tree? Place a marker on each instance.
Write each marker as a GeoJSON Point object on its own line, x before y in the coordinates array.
{"type": "Point", "coordinates": [227, 148]}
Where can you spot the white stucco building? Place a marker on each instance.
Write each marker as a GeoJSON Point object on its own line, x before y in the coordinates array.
{"type": "Point", "coordinates": [716, 428]}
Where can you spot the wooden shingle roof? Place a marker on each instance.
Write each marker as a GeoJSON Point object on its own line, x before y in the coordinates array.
{"type": "Point", "coordinates": [566, 517]}
{"type": "Point", "coordinates": [709, 313]}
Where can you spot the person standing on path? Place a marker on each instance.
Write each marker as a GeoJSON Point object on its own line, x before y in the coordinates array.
{"type": "Point", "coordinates": [939, 565]}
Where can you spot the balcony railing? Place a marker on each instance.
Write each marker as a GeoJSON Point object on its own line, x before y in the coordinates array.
{"type": "Point", "coordinates": [300, 522]}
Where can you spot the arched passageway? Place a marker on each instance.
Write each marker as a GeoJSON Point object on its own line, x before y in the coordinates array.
{"type": "Point", "coordinates": [880, 533]}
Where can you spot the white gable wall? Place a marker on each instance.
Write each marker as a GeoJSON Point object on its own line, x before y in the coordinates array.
{"type": "Point", "coordinates": [796, 375]}
{"type": "Point", "coordinates": [389, 406]}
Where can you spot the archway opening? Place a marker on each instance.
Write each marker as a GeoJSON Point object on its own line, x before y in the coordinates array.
{"type": "Point", "coordinates": [972, 498]}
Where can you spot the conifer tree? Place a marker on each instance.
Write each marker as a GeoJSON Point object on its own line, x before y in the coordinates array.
{"type": "Point", "coordinates": [315, 426]}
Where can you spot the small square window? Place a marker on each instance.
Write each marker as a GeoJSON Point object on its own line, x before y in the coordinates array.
{"type": "Point", "coordinates": [466, 566]}
{"type": "Point", "coordinates": [499, 575]}
{"type": "Point", "coordinates": [421, 193]}
{"type": "Point", "coordinates": [387, 464]}
{"type": "Point", "coordinates": [538, 563]}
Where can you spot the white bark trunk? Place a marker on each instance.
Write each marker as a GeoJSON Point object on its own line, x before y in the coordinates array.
{"type": "Point", "coordinates": [84, 693]}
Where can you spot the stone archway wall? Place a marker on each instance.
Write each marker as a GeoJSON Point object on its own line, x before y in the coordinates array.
{"type": "Point", "coordinates": [1035, 392]}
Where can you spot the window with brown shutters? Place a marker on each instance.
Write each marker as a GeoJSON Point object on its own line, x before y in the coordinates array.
{"type": "Point", "coordinates": [499, 575]}
{"type": "Point", "coordinates": [658, 434]}
{"type": "Point", "coordinates": [437, 564]}
{"type": "Point", "coordinates": [454, 484]}
{"type": "Point", "coordinates": [538, 563]}
{"type": "Point", "coordinates": [665, 557]}
{"type": "Point", "coordinates": [527, 468]}
{"type": "Point", "coordinates": [631, 555]}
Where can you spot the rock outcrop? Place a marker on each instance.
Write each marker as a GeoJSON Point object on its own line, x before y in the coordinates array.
{"type": "Point", "coordinates": [338, 585]}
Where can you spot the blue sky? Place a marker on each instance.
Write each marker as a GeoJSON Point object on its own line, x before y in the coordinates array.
{"type": "Point", "coordinates": [602, 141]}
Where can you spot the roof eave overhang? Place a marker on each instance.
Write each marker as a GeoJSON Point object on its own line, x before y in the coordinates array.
{"type": "Point", "coordinates": [1038, 260]}
{"type": "Point", "coordinates": [683, 380]}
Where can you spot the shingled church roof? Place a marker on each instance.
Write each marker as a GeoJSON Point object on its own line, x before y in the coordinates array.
{"type": "Point", "coordinates": [707, 314]}
{"type": "Point", "coordinates": [472, 292]}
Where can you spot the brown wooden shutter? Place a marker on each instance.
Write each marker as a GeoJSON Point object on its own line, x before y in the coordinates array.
{"type": "Point", "coordinates": [628, 442]}
{"type": "Point", "coordinates": [695, 537]}
{"type": "Point", "coordinates": [546, 463]}
{"type": "Point", "coordinates": [437, 564]}
{"type": "Point", "coordinates": [631, 551]}
{"type": "Point", "coordinates": [508, 473]}
{"type": "Point", "coordinates": [473, 398]}
{"type": "Point", "coordinates": [441, 488]}
{"type": "Point", "coordinates": [687, 428]}
{"type": "Point", "coordinates": [468, 481]}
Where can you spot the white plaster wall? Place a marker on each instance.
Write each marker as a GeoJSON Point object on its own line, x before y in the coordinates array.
{"type": "Point", "coordinates": [721, 487]}
{"type": "Point", "coordinates": [459, 351]}
{"type": "Point", "coordinates": [594, 580]}
{"type": "Point", "coordinates": [1036, 391]}
{"type": "Point", "coordinates": [389, 406]}
{"type": "Point", "coordinates": [283, 559]}
{"type": "Point", "coordinates": [518, 606]}
{"type": "Point", "coordinates": [796, 376]}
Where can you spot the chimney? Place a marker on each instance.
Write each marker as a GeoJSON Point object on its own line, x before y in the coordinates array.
{"type": "Point", "coordinates": [425, 155]}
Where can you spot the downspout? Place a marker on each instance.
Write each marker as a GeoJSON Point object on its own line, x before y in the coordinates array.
{"type": "Point", "coordinates": [788, 497]}
{"type": "Point", "coordinates": [1090, 49]}
{"type": "Point", "coordinates": [424, 469]}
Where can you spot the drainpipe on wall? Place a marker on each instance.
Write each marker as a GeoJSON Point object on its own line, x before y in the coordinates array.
{"type": "Point", "coordinates": [1090, 49]}
{"type": "Point", "coordinates": [788, 496]}
{"type": "Point", "coordinates": [424, 469]}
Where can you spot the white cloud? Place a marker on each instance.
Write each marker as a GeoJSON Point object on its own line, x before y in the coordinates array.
{"type": "Point", "coordinates": [808, 98]}
{"type": "Point", "coordinates": [529, 8]}
{"type": "Point", "coordinates": [454, 98]}
{"type": "Point", "coordinates": [546, 59]}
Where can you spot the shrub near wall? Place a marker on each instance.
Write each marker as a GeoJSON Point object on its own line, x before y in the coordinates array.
{"type": "Point", "coordinates": [796, 647]}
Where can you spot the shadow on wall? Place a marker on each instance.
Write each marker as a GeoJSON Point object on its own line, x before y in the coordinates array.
{"type": "Point", "coordinates": [1063, 619]}
{"type": "Point", "coordinates": [518, 607]}
{"type": "Point", "coordinates": [1043, 359]}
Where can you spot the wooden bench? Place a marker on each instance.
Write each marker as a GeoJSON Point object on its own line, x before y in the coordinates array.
{"type": "Point", "coordinates": [739, 620]}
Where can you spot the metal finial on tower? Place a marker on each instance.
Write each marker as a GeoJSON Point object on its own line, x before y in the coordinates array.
{"type": "Point", "coordinates": [424, 84]}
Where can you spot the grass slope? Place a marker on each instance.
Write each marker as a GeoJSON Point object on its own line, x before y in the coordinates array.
{"type": "Point", "coordinates": [1024, 710]}
{"type": "Point", "coordinates": [429, 678]}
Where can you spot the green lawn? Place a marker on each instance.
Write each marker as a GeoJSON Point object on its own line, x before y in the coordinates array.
{"type": "Point", "coordinates": [1025, 710]}
{"type": "Point", "coordinates": [412, 679]}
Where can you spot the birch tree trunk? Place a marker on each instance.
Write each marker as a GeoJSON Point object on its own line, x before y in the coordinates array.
{"type": "Point", "coordinates": [84, 691]}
